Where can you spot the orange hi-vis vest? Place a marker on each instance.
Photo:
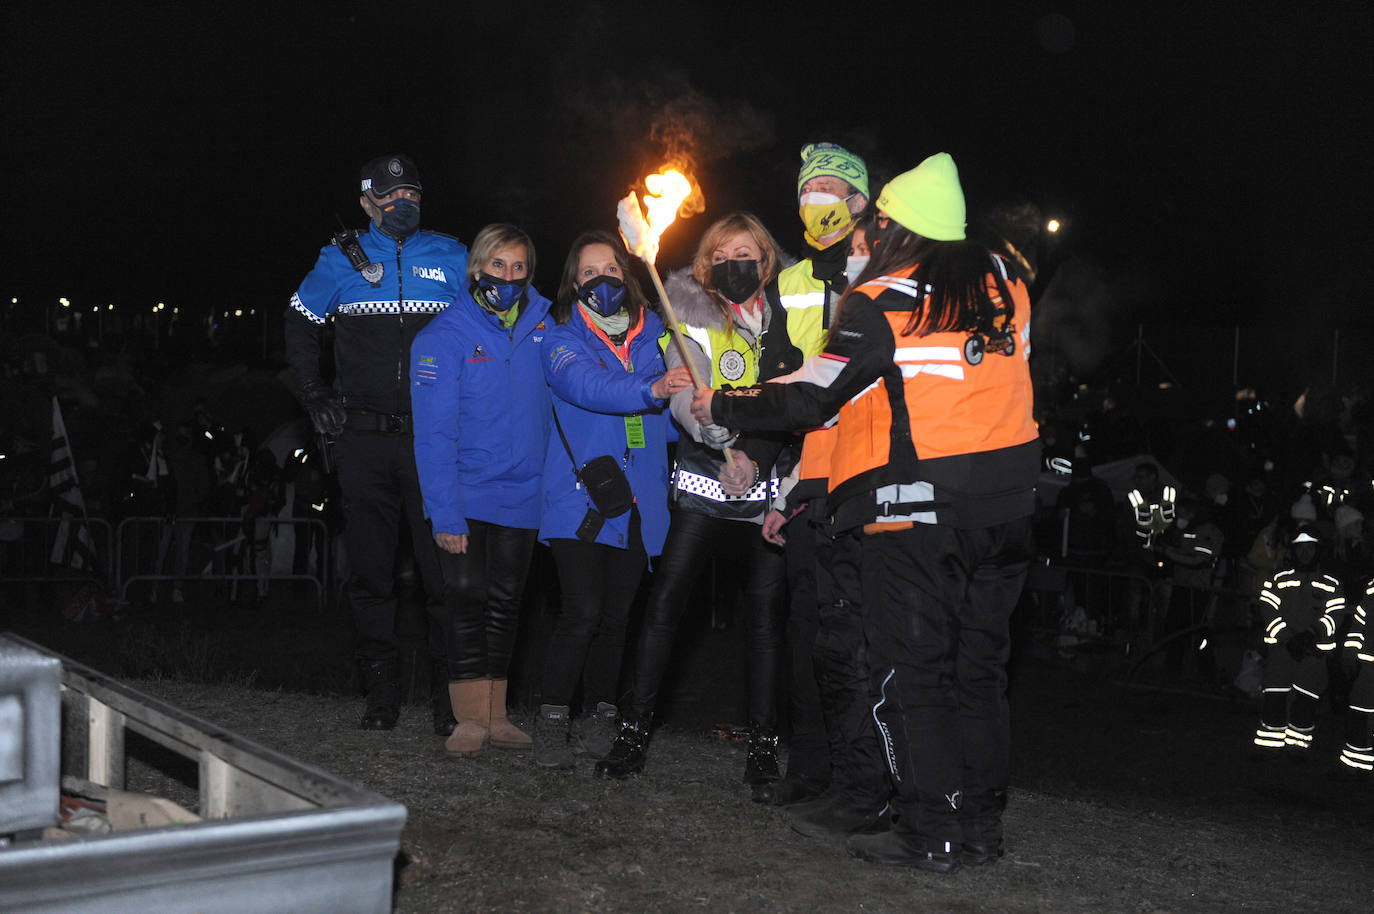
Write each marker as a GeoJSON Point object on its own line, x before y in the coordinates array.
{"type": "Point", "coordinates": [946, 435]}
{"type": "Point", "coordinates": [813, 470]}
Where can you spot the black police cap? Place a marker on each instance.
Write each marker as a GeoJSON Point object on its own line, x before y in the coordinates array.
{"type": "Point", "coordinates": [386, 173]}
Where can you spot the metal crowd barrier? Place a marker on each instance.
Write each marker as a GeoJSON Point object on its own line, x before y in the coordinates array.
{"type": "Point", "coordinates": [147, 550]}
{"type": "Point", "coordinates": [1128, 605]}
{"type": "Point", "coordinates": [27, 546]}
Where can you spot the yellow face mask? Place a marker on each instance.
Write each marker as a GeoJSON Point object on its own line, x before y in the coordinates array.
{"type": "Point", "coordinates": [826, 218]}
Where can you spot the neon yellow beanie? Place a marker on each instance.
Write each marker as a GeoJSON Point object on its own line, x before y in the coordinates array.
{"type": "Point", "coordinates": [928, 199]}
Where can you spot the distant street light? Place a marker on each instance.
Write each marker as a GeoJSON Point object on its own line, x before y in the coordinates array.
{"type": "Point", "coordinates": [1052, 225]}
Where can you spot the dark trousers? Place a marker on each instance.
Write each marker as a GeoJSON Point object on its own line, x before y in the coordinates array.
{"type": "Point", "coordinates": [598, 586]}
{"type": "Point", "coordinates": [841, 663]}
{"type": "Point", "coordinates": [381, 490]}
{"type": "Point", "coordinates": [937, 609]}
{"type": "Point", "coordinates": [483, 589]}
{"type": "Point", "coordinates": [807, 553]}
{"type": "Point", "coordinates": [692, 540]}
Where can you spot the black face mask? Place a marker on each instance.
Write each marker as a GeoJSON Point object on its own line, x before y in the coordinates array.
{"type": "Point", "coordinates": [737, 280]}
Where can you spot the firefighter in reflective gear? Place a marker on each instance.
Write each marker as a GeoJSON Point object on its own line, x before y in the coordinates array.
{"type": "Point", "coordinates": [1193, 545]}
{"type": "Point", "coordinates": [1152, 505]}
{"type": "Point", "coordinates": [934, 468]}
{"type": "Point", "coordinates": [1300, 608]}
{"type": "Point", "coordinates": [1153, 513]}
{"type": "Point", "coordinates": [1358, 752]}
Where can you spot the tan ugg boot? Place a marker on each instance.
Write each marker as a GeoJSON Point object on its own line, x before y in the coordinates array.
{"type": "Point", "coordinates": [504, 734]}
{"type": "Point", "coordinates": [471, 699]}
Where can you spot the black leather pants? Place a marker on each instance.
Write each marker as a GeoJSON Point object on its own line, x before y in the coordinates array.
{"type": "Point", "coordinates": [483, 589]}
{"type": "Point", "coordinates": [692, 540]}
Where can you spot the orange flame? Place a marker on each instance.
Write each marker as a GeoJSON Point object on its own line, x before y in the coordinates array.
{"type": "Point", "coordinates": [669, 193]}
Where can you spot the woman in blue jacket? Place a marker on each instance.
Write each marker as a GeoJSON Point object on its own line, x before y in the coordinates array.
{"type": "Point", "coordinates": [603, 365]}
{"type": "Point", "coordinates": [481, 415]}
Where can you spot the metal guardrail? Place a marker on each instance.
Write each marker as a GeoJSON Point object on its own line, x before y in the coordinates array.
{"type": "Point", "coordinates": [159, 550]}
{"type": "Point", "coordinates": [1130, 606]}
{"type": "Point", "coordinates": [235, 551]}
{"type": "Point", "coordinates": [27, 546]}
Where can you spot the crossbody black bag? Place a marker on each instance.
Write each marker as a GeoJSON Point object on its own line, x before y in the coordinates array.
{"type": "Point", "coordinates": [603, 478]}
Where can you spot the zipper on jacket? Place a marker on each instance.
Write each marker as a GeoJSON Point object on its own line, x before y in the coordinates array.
{"type": "Point", "coordinates": [400, 311]}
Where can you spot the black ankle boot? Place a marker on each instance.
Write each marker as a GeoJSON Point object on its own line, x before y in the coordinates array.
{"type": "Point", "coordinates": [383, 695]}
{"type": "Point", "coordinates": [440, 706]}
{"type": "Point", "coordinates": [891, 848]}
{"type": "Point", "coordinates": [761, 764]}
{"type": "Point", "coordinates": [627, 752]}
{"type": "Point", "coordinates": [840, 815]}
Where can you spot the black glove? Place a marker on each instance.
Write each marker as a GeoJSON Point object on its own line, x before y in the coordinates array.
{"type": "Point", "coordinates": [1301, 645]}
{"type": "Point", "coordinates": [325, 407]}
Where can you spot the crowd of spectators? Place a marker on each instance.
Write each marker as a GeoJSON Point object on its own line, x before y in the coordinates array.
{"type": "Point", "coordinates": [1235, 487]}
{"type": "Point", "coordinates": [1247, 470]}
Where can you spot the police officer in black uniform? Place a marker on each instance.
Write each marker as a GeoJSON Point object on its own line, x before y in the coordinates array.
{"type": "Point", "coordinates": [379, 287]}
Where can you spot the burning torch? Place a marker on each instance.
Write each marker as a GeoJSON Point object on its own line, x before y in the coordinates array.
{"type": "Point", "coordinates": [641, 232]}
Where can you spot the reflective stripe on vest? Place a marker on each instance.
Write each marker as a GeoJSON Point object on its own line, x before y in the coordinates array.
{"type": "Point", "coordinates": [802, 300]}
{"type": "Point", "coordinates": [895, 497]}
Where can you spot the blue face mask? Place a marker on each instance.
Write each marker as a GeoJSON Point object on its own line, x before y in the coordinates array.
{"type": "Point", "coordinates": [854, 265]}
{"type": "Point", "coordinates": [400, 218]}
{"type": "Point", "coordinates": [603, 294]}
{"type": "Point", "coordinates": [499, 294]}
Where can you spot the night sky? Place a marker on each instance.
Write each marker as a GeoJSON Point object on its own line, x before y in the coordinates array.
{"type": "Point", "coordinates": [1211, 164]}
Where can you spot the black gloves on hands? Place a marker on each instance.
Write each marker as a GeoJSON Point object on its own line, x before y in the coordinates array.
{"type": "Point", "coordinates": [1301, 645]}
{"type": "Point", "coordinates": [325, 407]}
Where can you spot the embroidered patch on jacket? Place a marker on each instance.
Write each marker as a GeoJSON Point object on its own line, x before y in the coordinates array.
{"type": "Point", "coordinates": [425, 370]}
{"type": "Point", "coordinates": [561, 356]}
{"type": "Point", "coordinates": [479, 355]}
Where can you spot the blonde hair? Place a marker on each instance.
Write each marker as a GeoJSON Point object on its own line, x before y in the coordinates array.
{"type": "Point", "coordinates": [492, 239]}
{"type": "Point", "coordinates": [721, 231]}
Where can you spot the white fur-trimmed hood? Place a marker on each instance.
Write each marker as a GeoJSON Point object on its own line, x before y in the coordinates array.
{"type": "Point", "coordinates": [691, 302]}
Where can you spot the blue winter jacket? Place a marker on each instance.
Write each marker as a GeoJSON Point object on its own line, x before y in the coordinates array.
{"type": "Point", "coordinates": [593, 393]}
{"type": "Point", "coordinates": [481, 411]}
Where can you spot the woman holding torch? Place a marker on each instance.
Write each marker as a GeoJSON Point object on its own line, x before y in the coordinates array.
{"type": "Point", "coordinates": [934, 472]}
{"type": "Point", "coordinates": [610, 389]}
{"type": "Point", "coordinates": [736, 331]}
